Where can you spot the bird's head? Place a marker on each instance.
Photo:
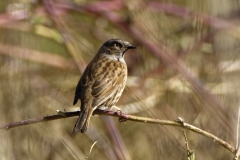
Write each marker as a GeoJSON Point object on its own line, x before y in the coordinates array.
{"type": "Point", "coordinates": [116, 47]}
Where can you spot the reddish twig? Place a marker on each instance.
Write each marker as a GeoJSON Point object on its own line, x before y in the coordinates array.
{"type": "Point", "coordinates": [176, 10]}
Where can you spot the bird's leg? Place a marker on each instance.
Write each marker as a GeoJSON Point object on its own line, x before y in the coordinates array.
{"type": "Point", "coordinates": [103, 107]}
{"type": "Point", "coordinates": [115, 108]}
{"type": "Point", "coordinates": [121, 118]}
{"type": "Point", "coordinates": [119, 111]}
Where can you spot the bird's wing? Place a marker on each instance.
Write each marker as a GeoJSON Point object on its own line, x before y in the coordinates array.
{"type": "Point", "coordinates": [81, 83]}
{"type": "Point", "coordinates": [108, 81]}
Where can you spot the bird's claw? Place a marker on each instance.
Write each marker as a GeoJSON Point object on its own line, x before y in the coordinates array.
{"type": "Point", "coordinates": [119, 112]}
{"type": "Point", "coordinates": [122, 117]}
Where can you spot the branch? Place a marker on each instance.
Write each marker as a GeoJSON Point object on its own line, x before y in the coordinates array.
{"type": "Point", "coordinates": [122, 117]}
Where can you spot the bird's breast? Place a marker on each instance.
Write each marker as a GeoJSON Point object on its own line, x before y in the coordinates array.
{"type": "Point", "coordinates": [109, 68]}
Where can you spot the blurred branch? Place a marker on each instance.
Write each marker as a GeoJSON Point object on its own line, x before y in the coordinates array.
{"type": "Point", "coordinates": [6, 18]}
{"type": "Point", "coordinates": [37, 56]}
{"type": "Point", "coordinates": [124, 117]}
{"type": "Point", "coordinates": [54, 14]}
{"type": "Point", "coordinates": [176, 10]}
{"type": "Point", "coordinates": [116, 137]}
{"type": "Point", "coordinates": [180, 55]}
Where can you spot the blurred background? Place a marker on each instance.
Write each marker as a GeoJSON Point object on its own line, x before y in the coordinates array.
{"type": "Point", "coordinates": [187, 65]}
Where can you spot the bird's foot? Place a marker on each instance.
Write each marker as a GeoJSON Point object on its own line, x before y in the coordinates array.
{"type": "Point", "coordinates": [122, 117]}
{"type": "Point", "coordinates": [115, 108]}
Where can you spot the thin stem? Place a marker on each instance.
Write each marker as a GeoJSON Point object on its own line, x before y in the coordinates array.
{"type": "Point", "coordinates": [238, 128]}
{"type": "Point", "coordinates": [237, 139]}
{"type": "Point", "coordinates": [90, 150]}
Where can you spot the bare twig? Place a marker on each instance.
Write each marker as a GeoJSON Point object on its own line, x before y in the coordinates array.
{"type": "Point", "coordinates": [190, 153]}
{"type": "Point", "coordinates": [186, 141]}
{"type": "Point", "coordinates": [237, 139]}
{"type": "Point", "coordinates": [123, 116]}
{"type": "Point", "coordinates": [90, 150]}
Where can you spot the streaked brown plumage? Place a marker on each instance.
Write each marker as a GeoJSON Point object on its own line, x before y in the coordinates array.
{"type": "Point", "coordinates": [102, 82]}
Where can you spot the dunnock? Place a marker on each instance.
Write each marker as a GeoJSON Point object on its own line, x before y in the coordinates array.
{"type": "Point", "coordinates": [102, 82]}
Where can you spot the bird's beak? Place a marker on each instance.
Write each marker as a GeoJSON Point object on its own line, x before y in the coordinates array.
{"type": "Point", "coordinates": [131, 47]}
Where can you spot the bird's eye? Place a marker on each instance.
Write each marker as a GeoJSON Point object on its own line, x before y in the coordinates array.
{"type": "Point", "coordinates": [119, 45]}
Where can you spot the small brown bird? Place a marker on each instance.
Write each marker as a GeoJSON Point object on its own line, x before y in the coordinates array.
{"type": "Point", "coordinates": [102, 82]}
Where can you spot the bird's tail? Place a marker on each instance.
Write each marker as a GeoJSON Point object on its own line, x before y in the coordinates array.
{"type": "Point", "coordinates": [83, 121]}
